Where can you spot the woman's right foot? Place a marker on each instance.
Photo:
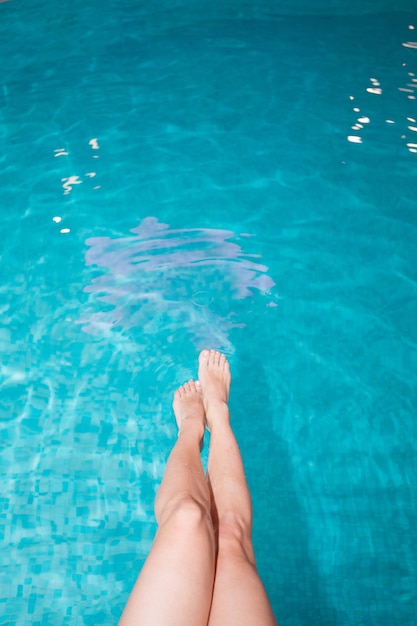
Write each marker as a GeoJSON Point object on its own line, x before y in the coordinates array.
{"type": "Point", "coordinates": [214, 377]}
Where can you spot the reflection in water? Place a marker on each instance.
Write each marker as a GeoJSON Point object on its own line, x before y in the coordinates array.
{"type": "Point", "coordinates": [161, 280]}
{"type": "Point", "coordinates": [68, 182]}
{"type": "Point", "coordinates": [408, 89]}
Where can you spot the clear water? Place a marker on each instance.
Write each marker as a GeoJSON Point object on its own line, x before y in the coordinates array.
{"type": "Point", "coordinates": [186, 176]}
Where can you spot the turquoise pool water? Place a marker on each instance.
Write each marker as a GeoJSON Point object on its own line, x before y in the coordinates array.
{"type": "Point", "coordinates": [233, 175]}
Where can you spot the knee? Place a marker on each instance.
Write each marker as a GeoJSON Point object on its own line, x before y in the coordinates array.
{"type": "Point", "coordinates": [187, 508]}
{"type": "Point", "coordinates": [186, 511]}
{"type": "Point", "coordinates": [235, 538]}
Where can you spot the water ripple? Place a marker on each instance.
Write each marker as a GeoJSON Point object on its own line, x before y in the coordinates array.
{"type": "Point", "coordinates": [171, 280]}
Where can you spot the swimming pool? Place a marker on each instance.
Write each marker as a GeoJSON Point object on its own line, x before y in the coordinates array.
{"type": "Point", "coordinates": [230, 175]}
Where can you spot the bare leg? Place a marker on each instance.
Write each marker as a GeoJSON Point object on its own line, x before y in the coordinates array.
{"type": "Point", "coordinates": [239, 597]}
{"type": "Point", "coordinates": [175, 585]}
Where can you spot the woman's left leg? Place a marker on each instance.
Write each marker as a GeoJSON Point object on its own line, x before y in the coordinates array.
{"type": "Point", "coordinates": [175, 585]}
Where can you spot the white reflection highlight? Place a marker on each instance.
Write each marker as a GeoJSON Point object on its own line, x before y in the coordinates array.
{"type": "Point", "coordinates": [364, 120]}
{"type": "Point", "coordinates": [56, 219]}
{"type": "Point", "coordinates": [354, 139]}
{"type": "Point", "coordinates": [60, 152]}
{"type": "Point", "coordinates": [94, 144]}
{"type": "Point", "coordinates": [410, 44]}
{"type": "Point", "coordinates": [374, 90]}
{"type": "Point", "coordinates": [69, 182]}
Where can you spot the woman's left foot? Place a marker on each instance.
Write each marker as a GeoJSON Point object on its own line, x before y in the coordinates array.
{"type": "Point", "coordinates": [188, 407]}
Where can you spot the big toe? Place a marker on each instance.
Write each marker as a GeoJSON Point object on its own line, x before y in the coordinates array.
{"type": "Point", "coordinates": [204, 357]}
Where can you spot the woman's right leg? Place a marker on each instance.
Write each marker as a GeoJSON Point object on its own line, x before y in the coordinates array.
{"type": "Point", "coordinates": [239, 597]}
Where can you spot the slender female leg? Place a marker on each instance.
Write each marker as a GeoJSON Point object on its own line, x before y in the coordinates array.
{"type": "Point", "coordinates": [175, 585]}
{"type": "Point", "coordinates": [239, 597]}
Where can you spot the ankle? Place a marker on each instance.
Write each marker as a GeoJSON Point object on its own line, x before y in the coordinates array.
{"type": "Point", "coordinates": [216, 405]}
{"type": "Point", "coordinates": [218, 415]}
{"type": "Point", "coordinates": [192, 427]}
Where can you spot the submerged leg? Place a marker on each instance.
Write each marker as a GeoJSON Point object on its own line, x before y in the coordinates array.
{"type": "Point", "coordinates": [239, 597]}
{"type": "Point", "coordinates": [175, 585]}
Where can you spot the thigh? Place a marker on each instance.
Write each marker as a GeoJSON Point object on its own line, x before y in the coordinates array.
{"type": "Point", "coordinates": [239, 597]}
{"type": "Point", "coordinates": [175, 585]}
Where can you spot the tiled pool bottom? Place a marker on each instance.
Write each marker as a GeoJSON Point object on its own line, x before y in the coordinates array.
{"type": "Point", "coordinates": [333, 496]}
{"type": "Point", "coordinates": [77, 517]}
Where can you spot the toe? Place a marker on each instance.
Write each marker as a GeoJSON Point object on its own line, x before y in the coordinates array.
{"type": "Point", "coordinates": [204, 356]}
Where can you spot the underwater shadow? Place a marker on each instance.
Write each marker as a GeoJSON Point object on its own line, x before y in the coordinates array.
{"type": "Point", "coordinates": [280, 529]}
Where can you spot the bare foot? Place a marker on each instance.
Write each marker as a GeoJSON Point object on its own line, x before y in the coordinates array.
{"type": "Point", "coordinates": [214, 376]}
{"type": "Point", "coordinates": [188, 407]}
